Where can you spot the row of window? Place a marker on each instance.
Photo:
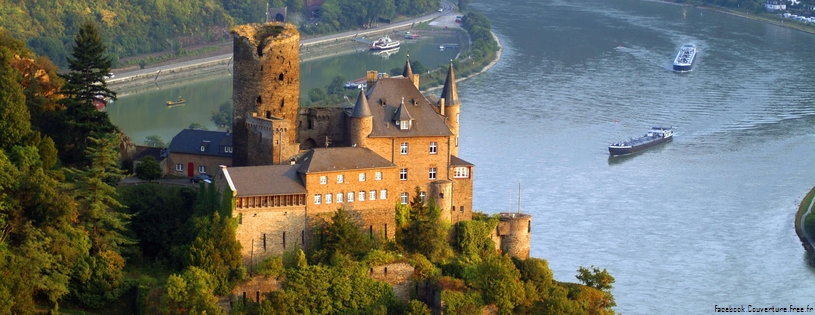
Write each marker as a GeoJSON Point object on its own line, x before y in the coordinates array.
{"type": "Point", "coordinates": [349, 197]}
{"type": "Point", "coordinates": [201, 168]}
{"type": "Point", "coordinates": [403, 148]}
{"type": "Point", "coordinates": [459, 172]}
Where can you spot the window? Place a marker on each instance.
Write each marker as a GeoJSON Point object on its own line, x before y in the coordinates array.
{"type": "Point", "coordinates": [361, 196]}
{"type": "Point", "coordinates": [318, 199]}
{"type": "Point", "coordinates": [323, 180]}
{"type": "Point", "coordinates": [179, 167]}
{"type": "Point", "coordinates": [383, 194]}
{"type": "Point", "coordinates": [456, 141]}
{"type": "Point", "coordinates": [457, 117]}
{"type": "Point", "coordinates": [340, 179]}
{"type": "Point", "coordinates": [228, 149]}
{"type": "Point", "coordinates": [433, 147]}
{"type": "Point", "coordinates": [378, 175]}
{"type": "Point", "coordinates": [403, 199]}
{"type": "Point", "coordinates": [403, 174]}
{"type": "Point", "coordinates": [423, 195]}
{"type": "Point", "coordinates": [203, 148]}
{"type": "Point", "coordinates": [350, 196]}
{"type": "Point", "coordinates": [461, 172]}
{"type": "Point", "coordinates": [202, 169]}
{"type": "Point", "coordinates": [372, 195]}
{"type": "Point", "coordinates": [404, 147]}
{"type": "Point", "coordinates": [362, 177]}
{"type": "Point", "coordinates": [403, 124]}
{"type": "Point", "coordinates": [328, 198]}
{"type": "Point", "coordinates": [432, 173]}
{"type": "Point", "coordinates": [339, 197]}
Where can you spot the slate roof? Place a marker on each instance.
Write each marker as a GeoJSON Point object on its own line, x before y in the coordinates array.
{"type": "Point", "coordinates": [407, 72]}
{"type": "Point", "coordinates": [450, 93]}
{"type": "Point", "coordinates": [361, 108]}
{"type": "Point", "coordinates": [144, 151]}
{"type": "Point", "coordinates": [341, 158]}
{"type": "Point", "coordinates": [384, 99]}
{"type": "Point", "coordinates": [456, 161]}
{"type": "Point", "coordinates": [190, 141]}
{"type": "Point", "coordinates": [265, 180]}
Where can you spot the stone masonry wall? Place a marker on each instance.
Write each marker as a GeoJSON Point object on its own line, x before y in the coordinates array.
{"type": "Point", "coordinates": [256, 223]}
{"type": "Point", "coordinates": [316, 123]}
{"type": "Point", "coordinates": [266, 80]}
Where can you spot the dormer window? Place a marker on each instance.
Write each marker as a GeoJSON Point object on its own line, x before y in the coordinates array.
{"type": "Point", "coordinates": [403, 124]}
{"type": "Point", "coordinates": [203, 148]}
{"type": "Point", "coordinates": [228, 149]}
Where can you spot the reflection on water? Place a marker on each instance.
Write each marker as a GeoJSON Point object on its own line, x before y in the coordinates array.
{"type": "Point", "coordinates": [143, 112]}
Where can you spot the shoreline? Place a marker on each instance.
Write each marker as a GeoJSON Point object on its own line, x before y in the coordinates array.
{"type": "Point", "coordinates": [795, 25]}
{"type": "Point", "coordinates": [487, 67]}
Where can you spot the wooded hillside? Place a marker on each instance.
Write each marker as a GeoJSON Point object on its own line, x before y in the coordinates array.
{"type": "Point", "coordinates": [135, 27]}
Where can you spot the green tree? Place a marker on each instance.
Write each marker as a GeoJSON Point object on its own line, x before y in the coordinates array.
{"type": "Point", "coordinates": [341, 236]}
{"type": "Point", "coordinates": [14, 116]}
{"type": "Point", "coordinates": [317, 95]}
{"type": "Point", "coordinates": [223, 117]}
{"type": "Point", "coordinates": [84, 86]}
{"type": "Point", "coordinates": [155, 141]}
{"type": "Point", "coordinates": [192, 292]}
{"type": "Point", "coordinates": [424, 232]}
{"type": "Point", "coordinates": [499, 282]}
{"type": "Point", "coordinates": [197, 126]}
{"type": "Point", "coordinates": [603, 282]}
{"type": "Point", "coordinates": [148, 169]}
{"type": "Point", "coordinates": [337, 86]}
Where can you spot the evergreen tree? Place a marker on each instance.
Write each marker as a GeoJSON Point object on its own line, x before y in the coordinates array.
{"type": "Point", "coordinates": [424, 233]}
{"type": "Point", "coordinates": [84, 86]}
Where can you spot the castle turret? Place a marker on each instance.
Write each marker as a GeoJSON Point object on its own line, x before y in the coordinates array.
{"type": "Point", "coordinates": [513, 234]}
{"type": "Point", "coordinates": [408, 73]}
{"type": "Point", "coordinates": [361, 122]}
{"type": "Point", "coordinates": [266, 83]}
{"type": "Point", "coordinates": [449, 105]}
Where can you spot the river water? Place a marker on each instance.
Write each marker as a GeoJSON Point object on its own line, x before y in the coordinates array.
{"type": "Point", "coordinates": [702, 221]}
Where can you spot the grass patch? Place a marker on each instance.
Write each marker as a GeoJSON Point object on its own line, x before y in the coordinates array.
{"type": "Point", "coordinates": [799, 216]}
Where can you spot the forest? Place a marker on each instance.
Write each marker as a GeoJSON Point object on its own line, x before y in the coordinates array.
{"type": "Point", "coordinates": [139, 27]}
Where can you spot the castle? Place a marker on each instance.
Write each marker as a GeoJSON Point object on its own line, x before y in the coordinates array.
{"type": "Point", "coordinates": [292, 166]}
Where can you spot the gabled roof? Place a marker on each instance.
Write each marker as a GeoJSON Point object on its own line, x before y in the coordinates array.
{"type": "Point", "coordinates": [361, 108]}
{"type": "Point", "coordinates": [384, 100]}
{"type": "Point", "coordinates": [265, 180]}
{"type": "Point", "coordinates": [450, 93]}
{"type": "Point", "coordinates": [190, 141]}
{"type": "Point", "coordinates": [341, 158]}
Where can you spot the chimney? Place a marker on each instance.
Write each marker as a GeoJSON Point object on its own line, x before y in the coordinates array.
{"type": "Point", "coordinates": [371, 78]}
{"type": "Point", "coordinates": [441, 106]}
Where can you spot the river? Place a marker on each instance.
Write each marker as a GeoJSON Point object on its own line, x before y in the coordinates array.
{"type": "Point", "coordinates": [703, 221]}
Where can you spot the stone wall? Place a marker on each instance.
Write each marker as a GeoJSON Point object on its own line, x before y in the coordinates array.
{"type": "Point", "coordinates": [265, 232]}
{"type": "Point", "coordinates": [315, 125]}
{"type": "Point", "coordinates": [212, 163]}
{"type": "Point", "coordinates": [512, 235]}
{"type": "Point", "coordinates": [266, 81]}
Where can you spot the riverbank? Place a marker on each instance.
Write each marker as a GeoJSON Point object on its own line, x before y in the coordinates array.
{"type": "Point", "coordinates": [760, 17]}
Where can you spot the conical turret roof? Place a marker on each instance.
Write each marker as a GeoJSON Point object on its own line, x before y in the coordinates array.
{"type": "Point", "coordinates": [450, 93]}
{"type": "Point", "coordinates": [361, 108]}
{"type": "Point", "coordinates": [408, 72]}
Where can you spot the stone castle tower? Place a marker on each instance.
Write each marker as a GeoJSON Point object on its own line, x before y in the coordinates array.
{"type": "Point", "coordinates": [266, 93]}
{"type": "Point", "coordinates": [513, 234]}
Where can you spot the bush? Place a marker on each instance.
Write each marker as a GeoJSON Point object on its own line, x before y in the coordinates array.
{"type": "Point", "coordinates": [148, 169]}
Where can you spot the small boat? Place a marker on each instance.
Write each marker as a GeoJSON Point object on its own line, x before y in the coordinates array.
{"type": "Point", "coordinates": [684, 58]}
{"type": "Point", "coordinates": [654, 137]}
{"type": "Point", "coordinates": [384, 43]}
{"type": "Point", "coordinates": [176, 102]}
{"type": "Point", "coordinates": [409, 35]}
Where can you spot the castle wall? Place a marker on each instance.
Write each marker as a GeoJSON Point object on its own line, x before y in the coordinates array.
{"type": "Point", "coordinates": [266, 81]}
{"type": "Point", "coordinates": [377, 215]}
{"type": "Point", "coordinates": [270, 224]}
{"type": "Point", "coordinates": [316, 123]}
{"type": "Point", "coordinates": [266, 140]}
